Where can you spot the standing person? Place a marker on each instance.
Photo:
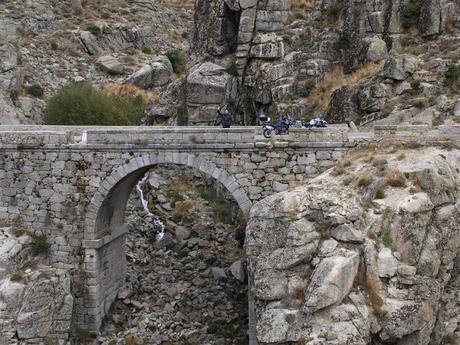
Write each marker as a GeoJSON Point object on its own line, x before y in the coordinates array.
{"type": "Point", "coordinates": [226, 119]}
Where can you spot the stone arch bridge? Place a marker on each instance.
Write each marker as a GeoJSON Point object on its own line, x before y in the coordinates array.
{"type": "Point", "coordinates": [72, 184]}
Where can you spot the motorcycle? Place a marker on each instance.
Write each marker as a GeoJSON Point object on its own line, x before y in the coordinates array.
{"type": "Point", "coordinates": [279, 127]}
{"type": "Point", "coordinates": [318, 123]}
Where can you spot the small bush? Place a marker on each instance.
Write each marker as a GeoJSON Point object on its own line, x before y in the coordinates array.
{"type": "Point", "coordinates": [178, 60]}
{"type": "Point", "coordinates": [452, 76]}
{"type": "Point", "coordinates": [380, 194]}
{"type": "Point", "coordinates": [184, 34]}
{"type": "Point", "coordinates": [396, 179]}
{"type": "Point", "coordinates": [411, 14]}
{"type": "Point", "coordinates": [365, 180]}
{"type": "Point", "coordinates": [386, 240]}
{"type": "Point", "coordinates": [333, 11]}
{"type": "Point", "coordinates": [415, 84]}
{"type": "Point", "coordinates": [16, 276]}
{"type": "Point", "coordinates": [94, 29]}
{"type": "Point", "coordinates": [147, 50]}
{"type": "Point", "coordinates": [83, 336]}
{"type": "Point", "coordinates": [174, 197]}
{"type": "Point", "coordinates": [14, 94]}
{"type": "Point", "coordinates": [450, 339]}
{"type": "Point", "coordinates": [40, 245]}
{"type": "Point", "coordinates": [82, 104]}
{"type": "Point", "coordinates": [181, 212]}
{"type": "Point", "coordinates": [54, 45]}
{"type": "Point", "coordinates": [232, 69]}
{"type": "Point", "coordinates": [339, 168]}
{"type": "Point", "coordinates": [222, 210]}
{"type": "Point", "coordinates": [35, 90]}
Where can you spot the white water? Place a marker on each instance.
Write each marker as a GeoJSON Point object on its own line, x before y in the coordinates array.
{"type": "Point", "coordinates": [156, 221]}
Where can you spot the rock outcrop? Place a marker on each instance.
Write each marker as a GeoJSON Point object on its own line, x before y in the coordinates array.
{"type": "Point", "coordinates": [36, 303]}
{"type": "Point", "coordinates": [388, 274]}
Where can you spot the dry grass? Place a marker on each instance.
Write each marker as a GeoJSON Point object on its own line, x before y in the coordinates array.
{"type": "Point", "coordinates": [307, 272]}
{"type": "Point", "coordinates": [129, 92]}
{"type": "Point", "coordinates": [365, 179]}
{"type": "Point", "coordinates": [371, 285]}
{"type": "Point", "coordinates": [401, 156]}
{"type": "Point", "coordinates": [178, 3]}
{"type": "Point", "coordinates": [336, 78]}
{"type": "Point", "coordinates": [16, 276]}
{"type": "Point", "coordinates": [302, 4]}
{"type": "Point", "coordinates": [339, 168]}
{"type": "Point", "coordinates": [396, 179]}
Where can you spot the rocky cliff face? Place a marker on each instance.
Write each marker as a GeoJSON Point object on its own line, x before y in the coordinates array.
{"type": "Point", "coordinates": [364, 61]}
{"type": "Point", "coordinates": [366, 253]}
{"type": "Point", "coordinates": [353, 60]}
{"type": "Point", "coordinates": [47, 44]}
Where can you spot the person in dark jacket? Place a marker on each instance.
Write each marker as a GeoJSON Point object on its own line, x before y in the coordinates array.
{"type": "Point", "coordinates": [226, 119]}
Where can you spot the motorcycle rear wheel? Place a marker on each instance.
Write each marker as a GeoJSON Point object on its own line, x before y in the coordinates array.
{"type": "Point", "coordinates": [267, 133]}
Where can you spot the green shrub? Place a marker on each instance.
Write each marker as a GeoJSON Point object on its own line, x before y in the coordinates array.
{"type": "Point", "coordinates": [222, 210]}
{"type": "Point", "coordinates": [35, 90]}
{"type": "Point", "coordinates": [83, 336]}
{"type": "Point", "coordinates": [40, 245]}
{"type": "Point", "coordinates": [174, 197]}
{"type": "Point", "coordinates": [14, 94]}
{"type": "Point", "coordinates": [178, 60]}
{"type": "Point", "coordinates": [147, 50]}
{"type": "Point", "coordinates": [54, 45]}
{"type": "Point", "coordinates": [94, 29]}
{"type": "Point", "coordinates": [380, 194]}
{"type": "Point", "coordinates": [452, 76]}
{"type": "Point", "coordinates": [184, 34]}
{"type": "Point", "coordinates": [232, 69]}
{"type": "Point", "coordinates": [82, 104]}
{"type": "Point", "coordinates": [411, 13]}
{"type": "Point", "coordinates": [333, 11]}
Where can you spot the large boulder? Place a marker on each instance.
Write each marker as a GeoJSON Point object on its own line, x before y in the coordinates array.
{"type": "Point", "coordinates": [208, 87]}
{"type": "Point", "coordinates": [156, 73]}
{"type": "Point", "coordinates": [37, 305]}
{"type": "Point", "coordinates": [110, 64]}
{"type": "Point", "coordinates": [399, 67]}
{"type": "Point", "coordinates": [332, 281]}
{"type": "Point", "coordinates": [344, 106]}
{"type": "Point", "coordinates": [90, 43]}
{"type": "Point", "coordinates": [390, 271]}
{"type": "Point", "coordinates": [430, 17]}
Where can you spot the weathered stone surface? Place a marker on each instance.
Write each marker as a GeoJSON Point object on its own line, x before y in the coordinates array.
{"type": "Point", "coordinates": [419, 202]}
{"type": "Point", "coordinates": [377, 50]}
{"type": "Point", "coordinates": [237, 270]}
{"type": "Point", "coordinates": [43, 304]}
{"type": "Point", "coordinates": [410, 269]}
{"type": "Point", "coordinates": [399, 67]}
{"type": "Point", "coordinates": [331, 281]}
{"type": "Point", "coordinates": [110, 64]}
{"type": "Point", "coordinates": [89, 42]}
{"type": "Point", "coordinates": [387, 263]}
{"type": "Point", "coordinates": [157, 73]}
{"type": "Point", "coordinates": [347, 233]}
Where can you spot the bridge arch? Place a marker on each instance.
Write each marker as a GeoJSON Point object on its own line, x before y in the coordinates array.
{"type": "Point", "coordinates": [107, 206]}
{"type": "Point", "coordinates": [103, 241]}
